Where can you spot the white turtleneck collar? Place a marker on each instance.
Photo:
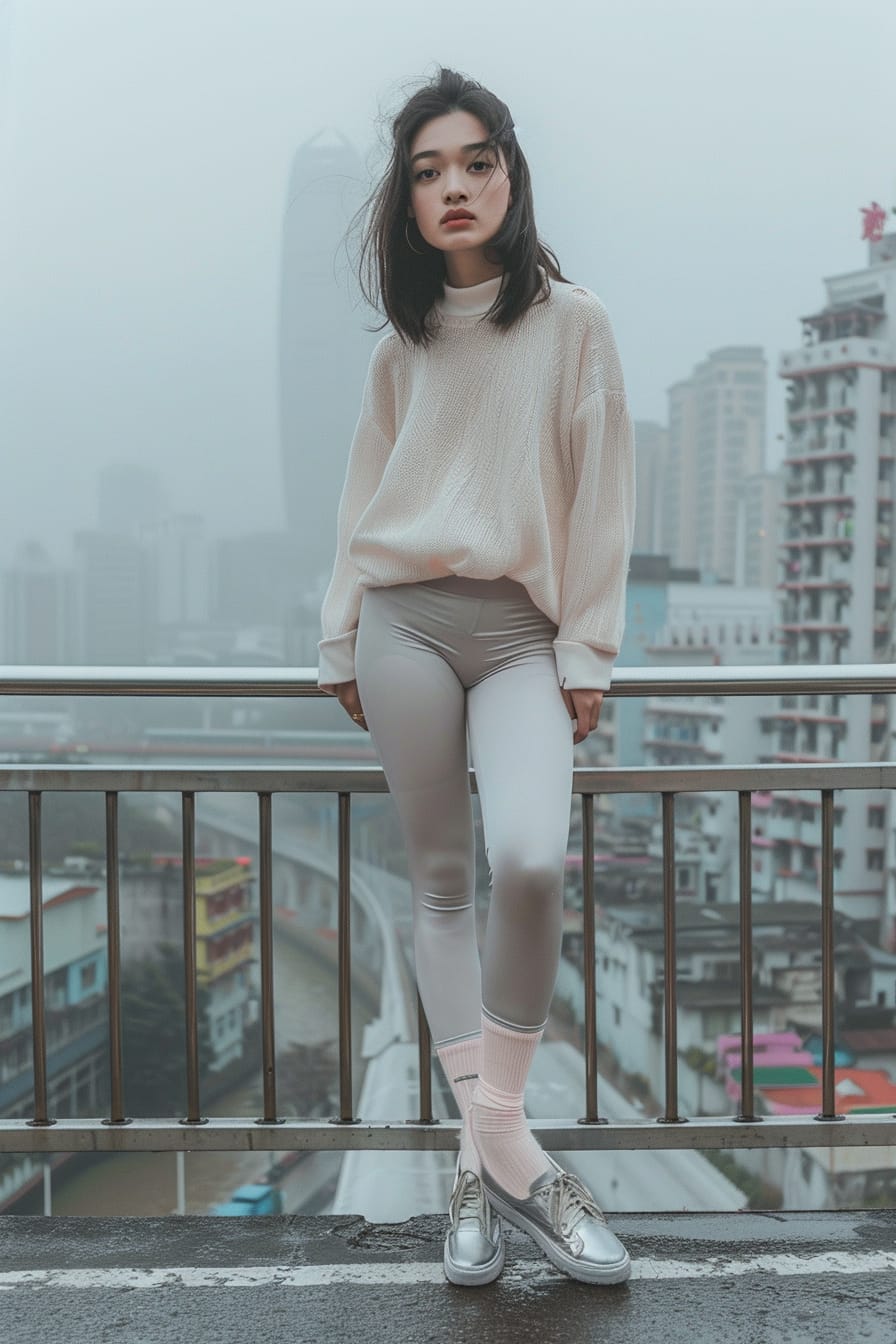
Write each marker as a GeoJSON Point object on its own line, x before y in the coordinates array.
{"type": "Point", "coordinates": [469, 300]}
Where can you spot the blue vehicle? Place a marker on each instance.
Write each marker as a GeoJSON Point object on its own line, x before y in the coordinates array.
{"type": "Point", "coordinates": [250, 1199]}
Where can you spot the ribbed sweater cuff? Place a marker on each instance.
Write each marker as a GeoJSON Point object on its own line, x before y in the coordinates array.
{"type": "Point", "coordinates": [582, 667]}
{"type": "Point", "coordinates": [336, 658]}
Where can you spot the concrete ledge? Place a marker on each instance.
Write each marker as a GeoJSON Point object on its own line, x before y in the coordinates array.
{"type": "Point", "coordinates": [744, 1278]}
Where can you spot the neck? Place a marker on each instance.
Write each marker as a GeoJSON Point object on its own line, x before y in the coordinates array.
{"type": "Point", "coordinates": [462, 270]}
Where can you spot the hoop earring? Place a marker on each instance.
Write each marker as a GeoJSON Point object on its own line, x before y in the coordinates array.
{"type": "Point", "coordinates": [410, 244]}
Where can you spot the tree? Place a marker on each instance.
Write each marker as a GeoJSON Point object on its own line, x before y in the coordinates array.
{"type": "Point", "coordinates": [153, 1012]}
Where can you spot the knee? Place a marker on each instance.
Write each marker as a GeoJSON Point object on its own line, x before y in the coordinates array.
{"type": "Point", "coordinates": [529, 877]}
{"type": "Point", "coordinates": [444, 870]}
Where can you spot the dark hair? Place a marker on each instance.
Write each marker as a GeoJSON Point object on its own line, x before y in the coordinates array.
{"type": "Point", "coordinates": [404, 283]}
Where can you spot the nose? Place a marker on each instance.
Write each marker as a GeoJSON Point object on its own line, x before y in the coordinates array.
{"type": "Point", "coordinates": [453, 185]}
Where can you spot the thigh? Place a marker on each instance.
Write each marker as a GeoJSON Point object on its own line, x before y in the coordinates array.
{"type": "Point", "coordinates": [414, 704]}
{"type": "Point", "coordinates": [521, 740]}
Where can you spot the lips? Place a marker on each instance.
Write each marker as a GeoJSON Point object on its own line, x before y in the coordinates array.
{"type": "Point", "coordinates": [456, 214]}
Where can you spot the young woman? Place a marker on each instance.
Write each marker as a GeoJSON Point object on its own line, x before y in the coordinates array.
{"type": "Point", "coordinates": [483, 542]}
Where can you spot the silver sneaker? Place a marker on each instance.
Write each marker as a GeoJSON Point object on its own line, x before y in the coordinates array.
{"type": "Point", "coordinates": [474, 1245]}
{"type": "Point", "coordinates": [562, 1216]}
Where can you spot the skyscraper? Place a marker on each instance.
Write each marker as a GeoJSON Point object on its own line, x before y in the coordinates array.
{"type": "Point", "coordinates": [324, 350]}
{"type": "Point", "coordinates": [652, 442]}
{"type": "Point", "coordinates": [716, 441]}
{"type": "Point", "coordinates": [836, 573]}
{"type": "Point", "coordinates": [38, 615]}
{"type": "Point", "coordinates": [757, 529]}
{"type": "Point", "coordinates": [115, 598]}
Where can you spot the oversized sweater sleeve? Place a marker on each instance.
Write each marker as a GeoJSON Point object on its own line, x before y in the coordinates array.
{"type": "Point", "coordinates": [372, 442]}
{"type": "Point", "coordinates": [601, 521]}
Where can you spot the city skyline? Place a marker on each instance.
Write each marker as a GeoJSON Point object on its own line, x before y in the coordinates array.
{"type": "Point", "coordinates": [141, 317]}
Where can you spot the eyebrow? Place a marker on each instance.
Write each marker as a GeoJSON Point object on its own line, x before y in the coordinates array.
{"type": "Point", "coordinates": [436, 154]}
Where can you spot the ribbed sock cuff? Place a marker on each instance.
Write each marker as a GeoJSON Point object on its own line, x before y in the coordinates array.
{"type": "Point", "coordinates": [461, 1061]}
{"type": "Point", "coordinates": [506, 1060]}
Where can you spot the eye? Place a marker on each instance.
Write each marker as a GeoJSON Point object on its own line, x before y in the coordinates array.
{"type": "Point", "coordinates": [485, 163]}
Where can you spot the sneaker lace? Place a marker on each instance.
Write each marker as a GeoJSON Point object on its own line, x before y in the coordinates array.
{"type": "Point", "coordinates": [467, 1199]}
{"type": "Point", "coordinates": [571, 1202]}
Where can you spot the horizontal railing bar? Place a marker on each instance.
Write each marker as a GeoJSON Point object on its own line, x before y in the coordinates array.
{"type": "Point", "coordinates": [371, 779]}
{"type": "Point", "coordinates": [763, 679]}
{"type": "Point", "coordinates": [224, 1134]}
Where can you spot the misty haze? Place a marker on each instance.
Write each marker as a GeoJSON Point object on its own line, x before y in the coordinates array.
{"type": "Point", "coordinates": [184, 347]}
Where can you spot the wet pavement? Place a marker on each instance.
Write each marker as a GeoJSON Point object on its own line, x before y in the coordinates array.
{"type": "Point", "coordinates": [742, 1278]}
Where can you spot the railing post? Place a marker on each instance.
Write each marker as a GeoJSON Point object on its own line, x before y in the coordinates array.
{"type": "Point", "coordinates": [828, 1095]}
{"type": "Point", "coordinates": [266, 949]}
{"type": "Point", "coordinates": [670, 996]}
{"type": "Point", "coordinates": [38, 1011]}
{"type": "Point", "coordinates": [113, 946]}
{"type": "Point", "coordinates": [591, 1116]}
{"type": "Point", "coordinates": [424, 1045]}
{"type": "Point", "coordinates": [745, 1114]}
{"type": "Point", "coordinates": [188, 816]}
{"type": "Point", "coordinates": [344, 972]}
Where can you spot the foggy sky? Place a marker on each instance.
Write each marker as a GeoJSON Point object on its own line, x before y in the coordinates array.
{"type": "Point", "coordinates": [700, 166]}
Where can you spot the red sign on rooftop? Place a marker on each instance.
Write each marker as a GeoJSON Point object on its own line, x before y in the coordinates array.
{"type": "Point", "coordinates": [874, 217]}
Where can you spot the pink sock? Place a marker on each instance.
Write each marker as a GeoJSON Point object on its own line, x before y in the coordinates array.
{"type": "Point", "coordinates": [461, 1061]}
{"type": "Point", "coordinates": [500, 1129]}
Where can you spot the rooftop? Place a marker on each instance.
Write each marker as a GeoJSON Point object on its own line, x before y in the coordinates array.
{"type": "Point", "coordinates": [775, 1276]}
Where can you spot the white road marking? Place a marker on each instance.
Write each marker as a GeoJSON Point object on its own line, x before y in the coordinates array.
{"type": "Point", "coordinates": [424, 1271]}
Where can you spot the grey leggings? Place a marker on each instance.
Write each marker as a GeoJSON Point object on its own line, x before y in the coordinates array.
{"type": "Point", "coordinates": [441, 664]}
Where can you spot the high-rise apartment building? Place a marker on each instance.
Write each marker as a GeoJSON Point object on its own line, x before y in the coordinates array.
{"type": "Point", "coordinates": [652, 442]}
{"type": "Point", "coordinates": [114, 599]}
{"type": "Point", "coordinates": [180, 556]}
{"type": "Point", "coordinates": [836, 576]}
{"type": "Point", "coordinates": [38, 609]}
{"type": "Point", "coordinates": [716, 442]}
{"type": "Point", "coordinates": [706, 625]}
{"type": "Point", "coordinates": [756, 564]}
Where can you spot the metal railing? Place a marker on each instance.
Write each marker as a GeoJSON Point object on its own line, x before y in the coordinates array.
{"type": "Point", "coordinates": [271, 1132]}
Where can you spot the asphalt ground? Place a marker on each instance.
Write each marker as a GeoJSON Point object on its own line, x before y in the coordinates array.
{"type": "Point", "coordinates": [741, 1278]}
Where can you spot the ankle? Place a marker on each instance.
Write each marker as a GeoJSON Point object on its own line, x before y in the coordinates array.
{"type": "Point", "coordinates": [487, 1097]}
{"type": "Point", "coordinates": [461, 1062]}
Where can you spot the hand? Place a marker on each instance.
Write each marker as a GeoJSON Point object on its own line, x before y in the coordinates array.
{"type": "Point", "coordinates": [584, 706]}
{"type": "Point", "coordinates": [346, 693]}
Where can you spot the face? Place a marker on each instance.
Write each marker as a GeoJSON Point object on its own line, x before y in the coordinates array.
{"type": "Point", "coordinates": [453, 178]}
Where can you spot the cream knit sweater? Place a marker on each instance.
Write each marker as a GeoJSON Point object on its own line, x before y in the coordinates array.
{"type": "Point", "coordinates": [494, 453]}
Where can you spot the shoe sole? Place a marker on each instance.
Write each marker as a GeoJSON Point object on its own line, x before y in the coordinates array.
{"type": "Point", "coordinates": [617, 1273]}
{"type": "Point", "coordinates": [473, 1278]}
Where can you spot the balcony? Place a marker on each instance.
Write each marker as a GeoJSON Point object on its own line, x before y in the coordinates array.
{"type": "Point", "coordinates": [796, 539]}
{"type": "Point", "coordinates": [820, 453]}
{"type": "Point", "coordinates": [196, 1253]}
